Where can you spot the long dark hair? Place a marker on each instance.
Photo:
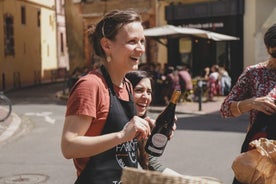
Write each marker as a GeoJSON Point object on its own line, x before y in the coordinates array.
{"type": "Point", "coordinates": [136, 76]}
{"type": "Point", "coordinates": [270, 36]}
{"type": "Point", "coordinates": [270, 39]}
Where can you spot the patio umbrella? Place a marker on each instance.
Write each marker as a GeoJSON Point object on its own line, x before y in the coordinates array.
{"type": "Point", "coordinates": [170, 31]}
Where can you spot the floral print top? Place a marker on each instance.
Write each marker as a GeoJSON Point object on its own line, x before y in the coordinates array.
{"type": "Point", "coordinates": [255, 81]}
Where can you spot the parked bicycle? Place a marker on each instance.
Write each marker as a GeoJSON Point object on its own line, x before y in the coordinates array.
{"type": "Point", "coordinates": [5, 107]}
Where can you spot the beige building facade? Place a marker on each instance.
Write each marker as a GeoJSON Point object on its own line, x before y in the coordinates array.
{"type": "Point", "coordinates": [255, 16]}
{"type": "Point", "coordinates": [62, 49]}
{"type": "Point", "coordinates": [246, 19]}
{"type": "Point", "coordinates": [34, 35]}
{"type": "Point", "coordinates": [259, 16]}
{"type": "Point", "coordinates": [29, 42]}
{"type": "Point", "coordinates": [80, 15]}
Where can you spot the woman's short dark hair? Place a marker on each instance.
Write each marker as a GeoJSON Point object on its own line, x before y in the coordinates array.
{"type": "Point", "coordinates": [109, 26]}
{"type": "Point", "coordinates": [270, 36]}
{"type": "Point", "coordinates": [136, 76]}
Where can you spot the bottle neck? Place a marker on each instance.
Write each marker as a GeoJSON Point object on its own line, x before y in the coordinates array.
{"type": "Point", "coordinates": [175, 96]}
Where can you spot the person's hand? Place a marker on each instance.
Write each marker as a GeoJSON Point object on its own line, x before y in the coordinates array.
{"type": "Point", "coordinates": [136, 128]}
{"type": "Point", "coordinates": [264, 104]}
{"type": "Point", "coordinates": [152, 125]}
{"type": "Point", "coordinates": [150, 121]}
{"type": "Point", "coordinates": [173, 128]}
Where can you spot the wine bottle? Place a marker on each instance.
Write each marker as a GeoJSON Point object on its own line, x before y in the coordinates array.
{"type": "Point", "coordinates": [159, 137]}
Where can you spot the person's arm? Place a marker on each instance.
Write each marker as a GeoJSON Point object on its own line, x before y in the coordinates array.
{"type": "Point", "coordinates": [262, 104]}
{"type": "Point", "coordinates": [237, 108]}
{"type": "Point", "coordinates": [81, 107]}
{"type": "Point", "coordinates": [75, 144]}
{"type": "Point", "coordinates": [231, 106]}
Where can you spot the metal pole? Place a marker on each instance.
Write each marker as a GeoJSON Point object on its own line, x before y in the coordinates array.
{"type": "Point", "coordinates": [200, 95]}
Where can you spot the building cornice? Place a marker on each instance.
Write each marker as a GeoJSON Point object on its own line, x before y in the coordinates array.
{"type": "Point", "coordinates": [36, 4]}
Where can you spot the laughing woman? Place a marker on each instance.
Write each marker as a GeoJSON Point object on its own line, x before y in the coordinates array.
{"type": "Point", "coordinates": [142, 97]}
{"type": "Point", "coordinates": [101, 129]}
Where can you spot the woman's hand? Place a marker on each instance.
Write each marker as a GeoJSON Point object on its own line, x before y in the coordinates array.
{"type": "Point", "coordinates": [173, 128]}
{"type": "Point", "coordinates": [264, 104]}
{"type": "Point", "coordinates": [152, 125]}
{"type": "Point", "coordinates": [151, 122]}
{"type": "Point", "coordinates": [136, 128]}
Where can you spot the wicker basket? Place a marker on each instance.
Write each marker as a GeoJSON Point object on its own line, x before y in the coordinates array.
{"type": "Point", "coordinates": [139, 176]}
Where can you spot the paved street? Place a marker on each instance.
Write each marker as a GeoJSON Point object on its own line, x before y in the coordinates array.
{"type": "Point", "coordinates": [204, 143]}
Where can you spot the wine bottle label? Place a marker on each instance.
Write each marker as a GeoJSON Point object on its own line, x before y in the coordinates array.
{"type": "Point", "coordinates": [159, 140]}
{"type": "Point", "coordinates": [154, 150]}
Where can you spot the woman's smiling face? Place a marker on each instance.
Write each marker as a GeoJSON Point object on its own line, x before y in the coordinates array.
{"type": "Point", "coordinates": [142, 96]}
{"type": "Point", "coordinates": [128, 46]}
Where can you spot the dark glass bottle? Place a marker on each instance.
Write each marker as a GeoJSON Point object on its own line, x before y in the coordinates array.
{"type": "Point", "coordinates": [158, 139]}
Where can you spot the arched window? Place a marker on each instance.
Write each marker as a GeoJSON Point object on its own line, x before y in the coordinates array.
{"type": "Point", "coordinates": [8, 35]}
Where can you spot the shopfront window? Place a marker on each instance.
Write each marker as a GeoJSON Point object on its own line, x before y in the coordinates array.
{"type": "Point", "coordinates": [8, 35]}
{"type": "Point", "coordinates": [223, 54]}
{"type": "Point", "coordinates": [185, 50]}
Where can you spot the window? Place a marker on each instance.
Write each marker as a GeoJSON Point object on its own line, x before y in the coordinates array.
{"type": "Point", "coordinates": [23, 15]}
{"type": "Point", "coordinates": [185, 50]}
{"type": "Point", "coordinates": [61, 7]}
{"type": "Point", "coordinates": [38, 18]}
{"type": "Point", "coordinates": [61, 43]}
{"type": "Point", "coordinates": [8, 35]}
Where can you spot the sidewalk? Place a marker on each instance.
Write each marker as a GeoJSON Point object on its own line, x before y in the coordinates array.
{"type": "Point", "coordinates": [181, 108]}
{"type": "Point", "coordinates": [194, 107]}
{"type": "Point", "coordinates": [9, 126]}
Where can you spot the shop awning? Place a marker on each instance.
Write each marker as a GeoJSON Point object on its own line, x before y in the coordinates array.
{"type": "Point", "coordinates": [170, 31]}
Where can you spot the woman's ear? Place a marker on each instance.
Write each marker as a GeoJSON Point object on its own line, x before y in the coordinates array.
{"type": "Point", "coordinates": [105, 43]}
{"type": "Point", "coordinates": [272, 51]}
